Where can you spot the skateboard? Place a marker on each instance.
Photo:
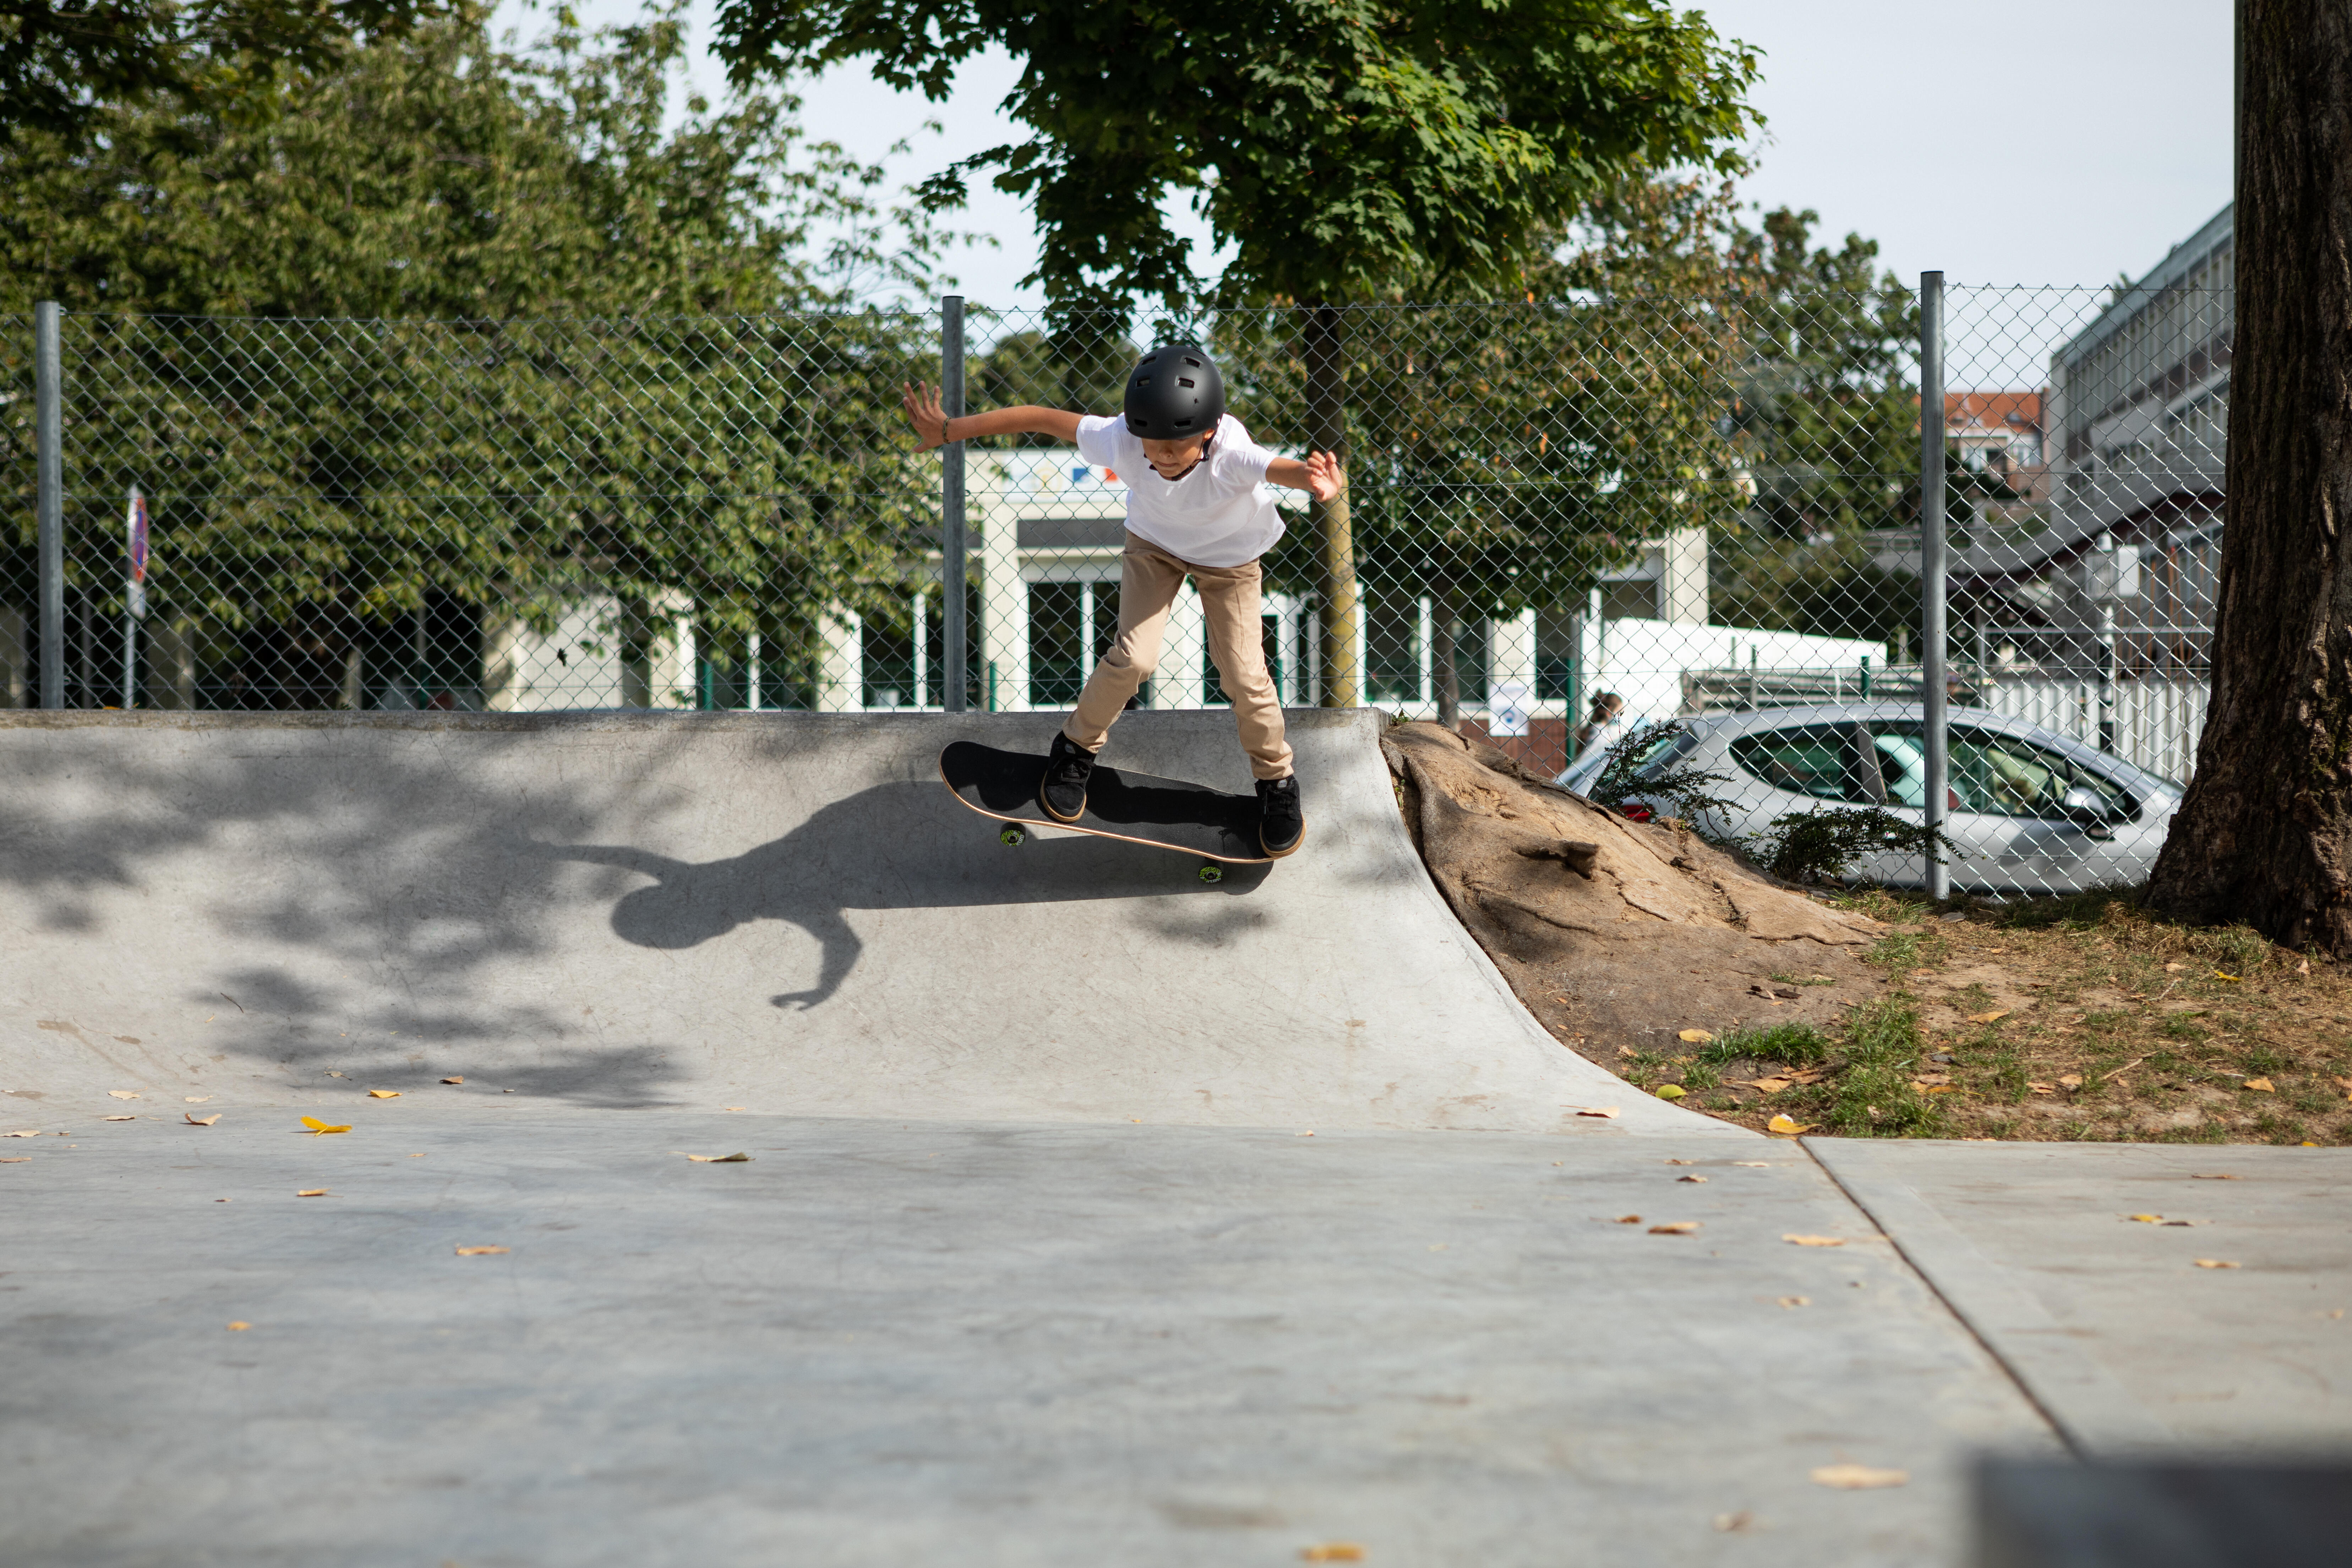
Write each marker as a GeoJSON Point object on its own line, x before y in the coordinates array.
{"type": "Point", "coordinates": [1135, 808]}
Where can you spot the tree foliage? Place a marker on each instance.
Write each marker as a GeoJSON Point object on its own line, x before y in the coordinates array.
{"type": "Point", "coordinates": [620, 375]}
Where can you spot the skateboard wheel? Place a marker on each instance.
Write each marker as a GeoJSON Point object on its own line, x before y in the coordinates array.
{"type": "Point", "coordinates": [1014, 836]}
{"type": "Point", "coordinates": [1212, 872]}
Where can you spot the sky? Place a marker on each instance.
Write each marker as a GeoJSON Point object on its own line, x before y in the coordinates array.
{"type": "Point", "coordinates": [2062, 143]}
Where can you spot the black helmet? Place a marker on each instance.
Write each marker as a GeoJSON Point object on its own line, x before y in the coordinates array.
{"type": "Point", "coordinates": [1173, 392]}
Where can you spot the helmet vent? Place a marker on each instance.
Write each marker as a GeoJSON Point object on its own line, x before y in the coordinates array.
{"type": "Point", "coordinates": [1185, 381]}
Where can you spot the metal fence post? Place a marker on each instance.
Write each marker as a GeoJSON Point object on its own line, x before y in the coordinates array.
{"type": "Point", "coordinates": [48, 440]}
{"type": "Point", "coordinates": [951, 569]}
{"type": "Point", "coordinates": [1931, 573]}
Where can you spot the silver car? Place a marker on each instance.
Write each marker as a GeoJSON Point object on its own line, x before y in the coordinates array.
{"type": "Point", "coordinates": [2031, 811]}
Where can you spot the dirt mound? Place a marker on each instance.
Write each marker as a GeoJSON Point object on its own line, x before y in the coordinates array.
{"type": "Point", "coordinates": [1617, 933]}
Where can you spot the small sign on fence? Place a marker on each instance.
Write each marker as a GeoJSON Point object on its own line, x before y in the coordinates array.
{"type": "Point", "coordinates": [1506, 709]}
{"type": "Point", "coordinates": [135, 523]}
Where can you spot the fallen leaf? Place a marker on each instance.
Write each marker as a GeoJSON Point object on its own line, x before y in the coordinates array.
{"type": "Point", "coordinates": [1995, 1016]}
{"type": "Point", "coordinates": [334, 1075]}
{"type": "Point", "coordinates": [1785, 1126]}
{"type": "Point", "coordinates": [453, 1080]}
{"type": "Point", "coordinates": [2219, 975]}
{"type": "Point", "coordinates": [1734, 1523]}
{"type": "Point", "coordinates": [122, 1119]}
{"type": "Point", "coordinates": [2070, 1080]}
{"type": "Point", "coordinates": [28, 1132]}
{"type": "Point", "coordinates": [1627, 1051]}
{"type": "Point", "coordinates": [1332, 1551]}
{"type": "Point", "coordinates": [121, 1094]}
{"type": "Point", "coordinates": [1807, 1076]}
{"type": "Point", "coordinates": [2304, 968]}
{"type": "Point", "coordinates": [1671, 1091]}
{"type": "Point", "coordinates": [1814, 1240]}
{"type": "Point", "coordinates": [2042, 1088]}
{"type": "Point", "coordinates": [200, 1121]}
{"type": "Point", "coordinates": [14, 1159]}
{"type": "Point", "coordinates": [311, 1193]}
{"type": "Point", "coordinates": [1674, 1227]}
{"type": "Point", "coordinates": [319, 1129]}
{"type": "Point", "coordinates": [1690, 1178]}
{"type": "Point", "coordinates": [2149, 1218]}
{"type": "Point", "coordinates": [196, 1098]}
{"type": "Point", "coordinates": [478, 1251]}
{"type": "Point", "coordinates": [383, 1094]}
{"type": "Point", "coordinates": [1755, 1164]}
{"type": "Point", "coordinates": [730, 1108]}
{"type": "Point", "coordinates": [2213, 1263]}
{"type": "Point", "coordinates": [745, 1159]}
{"type": "Point", "coordinates": [1695, 1038]}
{"type": "Point", "coordinates": [1858, 1477]}
{"type": "Point", "coordinates": [2259, 1085]}
{"type": "Point", "coordinates": [1939, 1088]}
{"type": "Point", "coordinates": [1627, 1219]}
{"type": "Point", "coordinates": [2216, 1176]}
{"type": "Point", "coordinates": [2187, 1222]}
{"type": "Point", "coordinates": [2174, 968]}
{"type": "Point", "coordinates": [1603, 1111]}
{"type": "Point", "coordinates": [1769, 1085]}
{"type": "Point", "coordinates": [1796, 1300]}
{"type": "Point", "coordinates": [1682, 1162]}
{"type": "Point", "coordinates": [238, 1328]}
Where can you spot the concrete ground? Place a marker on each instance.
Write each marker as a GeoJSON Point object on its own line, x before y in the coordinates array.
{"type": "Point", "coordinates": [1091, 1214]}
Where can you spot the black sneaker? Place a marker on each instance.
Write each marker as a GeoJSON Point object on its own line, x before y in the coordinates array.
{"type": "Point", "coordinates": [1280, 823]}
{"type": "Point", "coordinates": [1063, 791]}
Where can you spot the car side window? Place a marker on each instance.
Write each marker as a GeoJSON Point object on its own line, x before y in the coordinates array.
{"type": "Point", "coordinates": [1818, 760]}
{"type": "Point", "coordinates": [2008, 777]}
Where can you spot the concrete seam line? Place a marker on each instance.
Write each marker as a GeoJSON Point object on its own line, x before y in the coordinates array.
{"type": "Point", "coordinates": [2081, 1399]}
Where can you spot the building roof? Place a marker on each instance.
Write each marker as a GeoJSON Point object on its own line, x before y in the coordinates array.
{"type": "Point", "coordinates": [1985, 413]}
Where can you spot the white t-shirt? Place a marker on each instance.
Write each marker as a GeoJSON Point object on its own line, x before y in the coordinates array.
{"type": "Point", "coordinates": [1219, 514]}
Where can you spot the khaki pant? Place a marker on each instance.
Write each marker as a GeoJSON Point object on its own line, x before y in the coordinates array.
{"type": "Point", "coordinates": [1148, 580]}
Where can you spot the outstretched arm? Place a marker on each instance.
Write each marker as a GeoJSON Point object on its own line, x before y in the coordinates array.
{"type": "Point", "coordinates": [1319, 475]}
{"type": "Point", "coordinates": [931, 423]}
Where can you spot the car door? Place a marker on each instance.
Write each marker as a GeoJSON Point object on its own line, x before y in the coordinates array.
{"type": "Point", "coordinates": [1984, 842]}
{"type": "Point", "coordinates": [2065, 814]}
{"type": "Point", "coordinates": [1796, 768]}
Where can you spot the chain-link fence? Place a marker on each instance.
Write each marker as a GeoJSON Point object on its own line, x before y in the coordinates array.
{"type": "Point", "coordinates": [1562, 519]}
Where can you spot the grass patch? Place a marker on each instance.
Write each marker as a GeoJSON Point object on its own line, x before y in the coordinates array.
{"type": "Point", "coordinates": [1874, 1097]}
{"type": "Point", "coordinates": [1791, 1044]}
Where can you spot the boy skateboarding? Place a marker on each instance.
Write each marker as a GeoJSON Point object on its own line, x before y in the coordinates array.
{"type": "Point", "coordinates": [1197, 506]}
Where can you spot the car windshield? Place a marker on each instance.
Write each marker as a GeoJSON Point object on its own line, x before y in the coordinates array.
{"type": "Point", "coordinates": [1996, 774]}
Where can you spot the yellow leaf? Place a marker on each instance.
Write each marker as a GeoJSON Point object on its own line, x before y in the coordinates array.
{"type": "Point", "coordinates": [1601, 1110]}
{"type": "Point", "coordinates": [2219, 975]}
{"type": "Point", "coordinates": [15, 1159]}
{"type": "Point", "coordinates": [453, 1080]}
{"type": "Point", "coordinates": [1628, 1219]}
{"type": "Point", "coordinates": [2213, 1263]}
{"type": "Point", "coordinates": [1786, 1127]}
{"type": "Point", "coordinates": [1695, 1037]}
{"type": "Point", "coordinates": [121, 1094]}
{"type": "Point", "coordinates": [320, 1128]}
{"type": "Point", "coordinates": [1814, 1240]}
{"type": "Point", "coordinates": [1690, 1178]}
{"type": "Point", "coordinates": [1674, 1227]}
{"type": "Point", "coordinates": [2070, 1080]}
{"type": "Point", "coordinates": [1671, 1091]}
{"type": "Point", "coordinates": [715, 1159]}
{"type": "Point", "coordinates": [2259, 1085]}
{"type": "Point", "coordinates": [28, 1132]}
{"type": "Point", "coordinates": [1769, 1085]}
{"type": "Point", "coordinates": [200, 1121]}
{"type": "Point", "coordinates": [1755, 1164]}
{"type": "Point", "coordinates": [383, 1094]}
{"type": "Point", "coordinates": [1994, 1017]}
{"type": "Point", "coordinates": [238, 1328]}
{"type": "Point", "coordinates": [121, 1119]}
{"type": "Point", "coordinates": [1858, 1477]}
{"type": "Point", "coordinates": [2149, 1218]}
{"type": "Point", "coordinates": [2042, 1088]}
{"type": "Point", "coordinates": [311, 1193]}
{"type": "Point", "coordinates": [1332, 1551]}
{"type": "Point", "coordinates": [478, 1251]}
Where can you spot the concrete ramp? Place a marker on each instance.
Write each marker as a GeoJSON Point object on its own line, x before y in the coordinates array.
{"type": "Point", "coordinates": [784, 913]}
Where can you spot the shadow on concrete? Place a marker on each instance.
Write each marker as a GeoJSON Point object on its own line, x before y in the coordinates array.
{"type": "Point", "coordinates": [894, 847]}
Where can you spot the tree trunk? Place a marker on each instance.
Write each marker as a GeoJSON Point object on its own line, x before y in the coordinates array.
{"type": "Point", "coordinates": [1327, 431]}
{"type": "Point", "coordinates": [2265, 834]}
{"type": "Point", "coordinates": [1444, 633]}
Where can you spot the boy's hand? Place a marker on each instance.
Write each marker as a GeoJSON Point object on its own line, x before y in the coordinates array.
{"type": "Point", "coordinates": [924, 412]}
{"type": "Point", "coordinates": [1323, 480]}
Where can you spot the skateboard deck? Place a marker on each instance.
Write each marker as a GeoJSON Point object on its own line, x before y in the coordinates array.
{"type": "Point", "coordinates": [1136, 808]}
